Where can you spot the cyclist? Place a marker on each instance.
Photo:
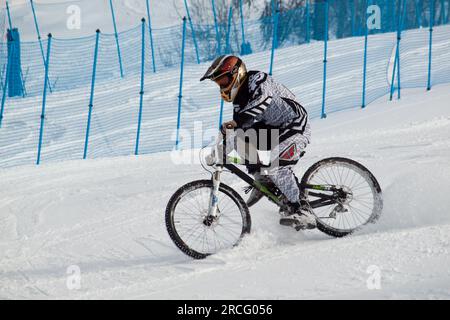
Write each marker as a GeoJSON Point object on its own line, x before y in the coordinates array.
{"type": "Point", "coordinates": [263, 105]}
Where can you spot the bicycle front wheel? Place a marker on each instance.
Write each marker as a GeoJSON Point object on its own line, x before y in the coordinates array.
{"type": "Point", "coordinates": [199, 235]}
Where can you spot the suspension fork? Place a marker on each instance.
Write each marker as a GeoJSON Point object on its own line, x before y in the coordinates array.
{"type": "Point", "coordinates": [214, 198]}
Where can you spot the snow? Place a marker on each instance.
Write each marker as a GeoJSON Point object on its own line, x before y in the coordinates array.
{"type": "Point", "coordinates": [106, 216]}
{"type": "Point", "coordinates": [53, 15]}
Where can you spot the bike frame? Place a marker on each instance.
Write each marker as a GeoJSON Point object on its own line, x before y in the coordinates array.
{"type": "Point", "coordinates": [322, 201]}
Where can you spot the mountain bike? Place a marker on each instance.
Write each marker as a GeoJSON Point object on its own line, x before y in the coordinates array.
{"type": "Point", "coordinates": [204, 217]}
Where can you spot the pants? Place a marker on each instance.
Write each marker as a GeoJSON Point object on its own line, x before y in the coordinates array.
{"type": "Point", "coordinates": [282, 158]}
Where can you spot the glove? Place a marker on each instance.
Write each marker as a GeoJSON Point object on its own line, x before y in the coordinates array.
{"type": "Point", "coordinates": [228, 126]}
{"type": "Point", "coordinates": [211, 158]}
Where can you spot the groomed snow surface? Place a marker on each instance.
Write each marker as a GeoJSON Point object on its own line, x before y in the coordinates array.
{"type": "Point", "coordinates": [105, 219]}
{"type": "Point", "coordinates": [56, 16]}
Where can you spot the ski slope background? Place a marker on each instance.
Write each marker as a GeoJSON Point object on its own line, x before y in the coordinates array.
{"type": "Point", "coordinates": [53, 15]}
{"type": "Point", "coordinates": [106, 217]}
{"type": "Point", "coordinates": [116, 102]}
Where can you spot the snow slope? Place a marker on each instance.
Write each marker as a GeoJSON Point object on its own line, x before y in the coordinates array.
{"type": "Point", "coordinates": [107, 217]}
{"type": "Point", "coordinates": [53, 15]}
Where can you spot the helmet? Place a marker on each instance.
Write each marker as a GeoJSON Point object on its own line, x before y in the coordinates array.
{"type": "Point", "coordinates": [229, 72]}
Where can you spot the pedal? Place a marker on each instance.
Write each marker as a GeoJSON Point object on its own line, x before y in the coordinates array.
{"type": "Point", "coordinates": [292, 224]}
{"type": "Point", "coordinates": [287, 222]}
{"type": "Point", "coordinates": [296, 225]}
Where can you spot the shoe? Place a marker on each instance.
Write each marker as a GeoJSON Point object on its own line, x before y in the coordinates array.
{"type": "Point", "coordinates": [298, 216]}
{"type": "Point", "coordinates": [255, 194]}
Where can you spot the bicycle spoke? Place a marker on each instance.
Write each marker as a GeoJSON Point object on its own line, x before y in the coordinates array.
{"type": "Point", "coordinates": [229, 231]}
{"type": "Point", "coordinates": [335, 177]}
{"type": "Point", "coordinates": [358, 212]}
{"type": "Point", "coordinates": [346, 177]}
{"type": "Point", "coordinates": [357, 185]}
{"type": "Point", "coordinates": [364, 205]}
{"type": "Point", "coordinates": [189, 212]}
{"type": "Point", "coordinates": [231, 220]}
{"type": "Point", "coordinates": [330, 176]}
{"type": "Point", "coordinates": [195, 230]}
{"type": "Point", "coordinates": [194, 202]}
{"type": "Point", "coordinates": [322, 177]}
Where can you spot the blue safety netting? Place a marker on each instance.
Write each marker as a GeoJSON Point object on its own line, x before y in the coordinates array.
{"type": "Point", "coordinates": [295, 26]}
{"type": "Point", "coordinates": [298, 63]}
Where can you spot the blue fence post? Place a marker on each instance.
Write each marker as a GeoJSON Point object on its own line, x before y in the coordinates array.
{"type": "Point", "coordinates": [216, 27]}
{"type": "Point", "coordinates": [274, 39]}
{"type": "Point", "coordinates": [230, 16]}
{"type": "Point", "coordinates": [39, 38]}
{"type": "Point", "coordinates": [366, 35]}
{"type": "Point", "coordinates": [192, 30]}
{"type": "Point", "coordinates": [352, 7]}
{"type": "Point", "coordinates": [324, 115]}
{"type": "Point", "coordinates": [393, 75]}
{"type": "Point", "coordinates": [273, 7]}
{"type": "Point", "coordinates": [221, 113]}
{"type": "Point", "coordinates": [44, 99]}
{"type": "Point", "coordinates": [397, 55]}
{"type": "Point", "coordinates": [180, 94]}
{"type": "Point", "coordinates": [430, 44]}
{"type": "Point", "coordinates": [446, 14]}
{"type": "Point", "coordinates": [9, 16]}
{"type": "Point", "coordinates": [141, 93]}
{"type": "Point", "coordinates": [392, 8]}
{"type": "Point", "coordinates": [16, 80]}
{"type": "Point", "coordinates": [151, 36]}
{"type": "Point", "coordinates": [5, 87]}
{"type": "Point", "coordinates": [243, 50]}
{"type": "Point", "coordinates": [402, 14]}
{"type": "Point", "coordinates": [418, 13]}
{"type": "Point", "coordinates": [116, 35]}
{"type": "Point", "coordinates": [308, 31]}
{"type": "Point", "coordinates": [22, 91]}
{"type": "Point", "coordinates": [91, 100]}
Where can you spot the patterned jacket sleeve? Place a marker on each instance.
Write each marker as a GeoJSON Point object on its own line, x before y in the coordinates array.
{"type": "Point", "coordinates": [260, 98]}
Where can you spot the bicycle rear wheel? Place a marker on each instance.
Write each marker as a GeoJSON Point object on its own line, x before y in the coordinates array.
{"type": "Point", "coordinates": [362, 205]}
{"type": "Point", "coordinates": [198, 235]}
